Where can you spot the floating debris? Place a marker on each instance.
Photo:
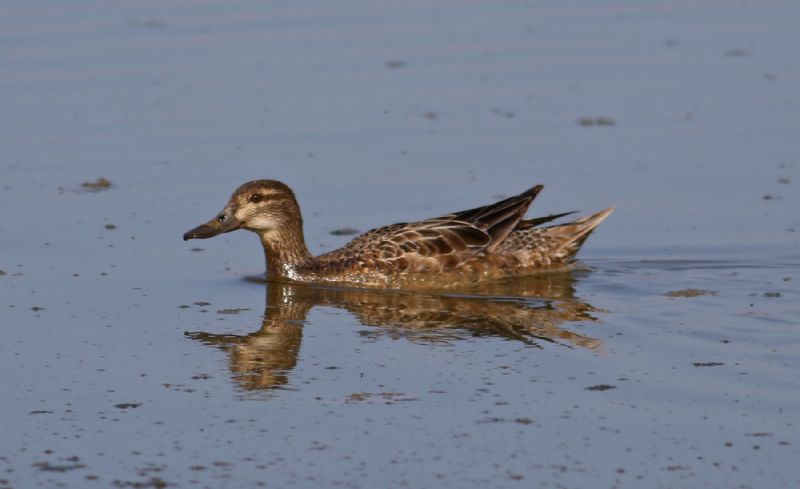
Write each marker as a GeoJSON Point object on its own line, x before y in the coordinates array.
{"type": "Point", "coordinates": [110, 226]}
{"type": "Point", "coordinates": [98, 185]}
{"type": "Point", "coordinates": [601, 387]}
{"type": "Point", "coordinates": [772, 294]}
{"type": "Point", "coordinates": [596, 121]}
{"type": "Point", "coordinates": [691, 293]}
{"type": "Point", "coordinates": [127, 405]}
{"type": "Point", "coordinates": [155, 483]}
{"type": "Point", "coordinates": [495, 419]}
{"type": "Point", "coordinates": [708, 364]}
{"type": "Point", "coordinates": [387, 396]}
{"type": "Point", "coordinates": [233, 310]}
{"type": "Point", "coordinates": [344, 232]}
{"type": "Point", "coordinates": [48, 467]}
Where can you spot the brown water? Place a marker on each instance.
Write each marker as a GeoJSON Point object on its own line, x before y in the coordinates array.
{"type": "Point", "coordinates": [133, 359]}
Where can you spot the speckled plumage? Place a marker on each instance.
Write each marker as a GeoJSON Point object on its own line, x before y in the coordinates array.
{"type": "Point", "coordinates": [479, 244]}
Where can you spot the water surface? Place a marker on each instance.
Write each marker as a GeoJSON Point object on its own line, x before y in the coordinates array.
{"type": "Point", "coordinates": [133, 359]}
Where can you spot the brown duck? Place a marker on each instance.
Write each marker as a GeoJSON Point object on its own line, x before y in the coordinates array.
{"type": "Point", "coordinates": [449, 251]}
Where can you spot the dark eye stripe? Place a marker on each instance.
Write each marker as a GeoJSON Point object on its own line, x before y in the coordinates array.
{"type": "Point", "coordinates": [256, 198]}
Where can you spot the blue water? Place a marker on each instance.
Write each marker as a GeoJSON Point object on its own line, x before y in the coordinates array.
{"type": "Point", "coordinates": [133, 359]}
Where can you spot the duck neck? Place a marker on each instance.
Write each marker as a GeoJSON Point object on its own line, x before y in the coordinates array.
{"type": "Point", "coordinates": [285, 252]}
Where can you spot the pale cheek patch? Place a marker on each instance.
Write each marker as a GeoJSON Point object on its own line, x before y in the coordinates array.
{"type": "Point", "coordinates": [261, 221]}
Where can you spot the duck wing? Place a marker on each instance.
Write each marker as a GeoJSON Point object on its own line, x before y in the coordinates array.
{"type": "Point", "coordinates": [441, 243]}
{"type": "Point", "coordinates": [538, 221]}
{"type": "Point", "coordinates": [496, 220]}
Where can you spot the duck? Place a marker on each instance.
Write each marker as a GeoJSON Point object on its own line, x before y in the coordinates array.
{"type": "Point", "coordinates": [486, 243]}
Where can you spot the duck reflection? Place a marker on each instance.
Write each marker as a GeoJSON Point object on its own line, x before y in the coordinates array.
{"type": "Point", "coordinates": [532, 310]}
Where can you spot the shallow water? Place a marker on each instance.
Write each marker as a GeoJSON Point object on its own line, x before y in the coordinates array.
{"type": "Point", "coordinates": [133, 359]}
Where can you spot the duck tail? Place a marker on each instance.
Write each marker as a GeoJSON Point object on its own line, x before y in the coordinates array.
{"type": "Point", "coordinates": [568, 238]}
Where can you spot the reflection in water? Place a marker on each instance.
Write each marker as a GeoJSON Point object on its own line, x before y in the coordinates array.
{"type": "Point", "coordinates": [531, 310]}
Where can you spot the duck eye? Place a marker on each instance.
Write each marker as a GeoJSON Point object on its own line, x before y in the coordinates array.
{"type": "Point", "coordinates": [256, 198]}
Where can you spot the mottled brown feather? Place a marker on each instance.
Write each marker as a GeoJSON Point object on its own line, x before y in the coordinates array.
{"type": "Point", "coordinates": [439, 244]}
{"type": "Point", "coordinates": [482, 243]}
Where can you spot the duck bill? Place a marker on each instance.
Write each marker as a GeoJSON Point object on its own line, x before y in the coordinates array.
{"type": "Point", "coordinates": [212, 228]}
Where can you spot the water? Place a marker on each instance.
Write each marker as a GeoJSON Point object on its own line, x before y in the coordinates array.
{"type": "Point", "coordinates": [133, 359]}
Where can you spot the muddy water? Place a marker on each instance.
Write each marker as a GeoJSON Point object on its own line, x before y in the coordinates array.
{"type": "Point", "coordinates": [132, 359]}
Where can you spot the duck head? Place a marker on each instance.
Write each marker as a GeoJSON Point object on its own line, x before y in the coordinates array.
{"type": "Point", "coordinates": [266, 207]}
